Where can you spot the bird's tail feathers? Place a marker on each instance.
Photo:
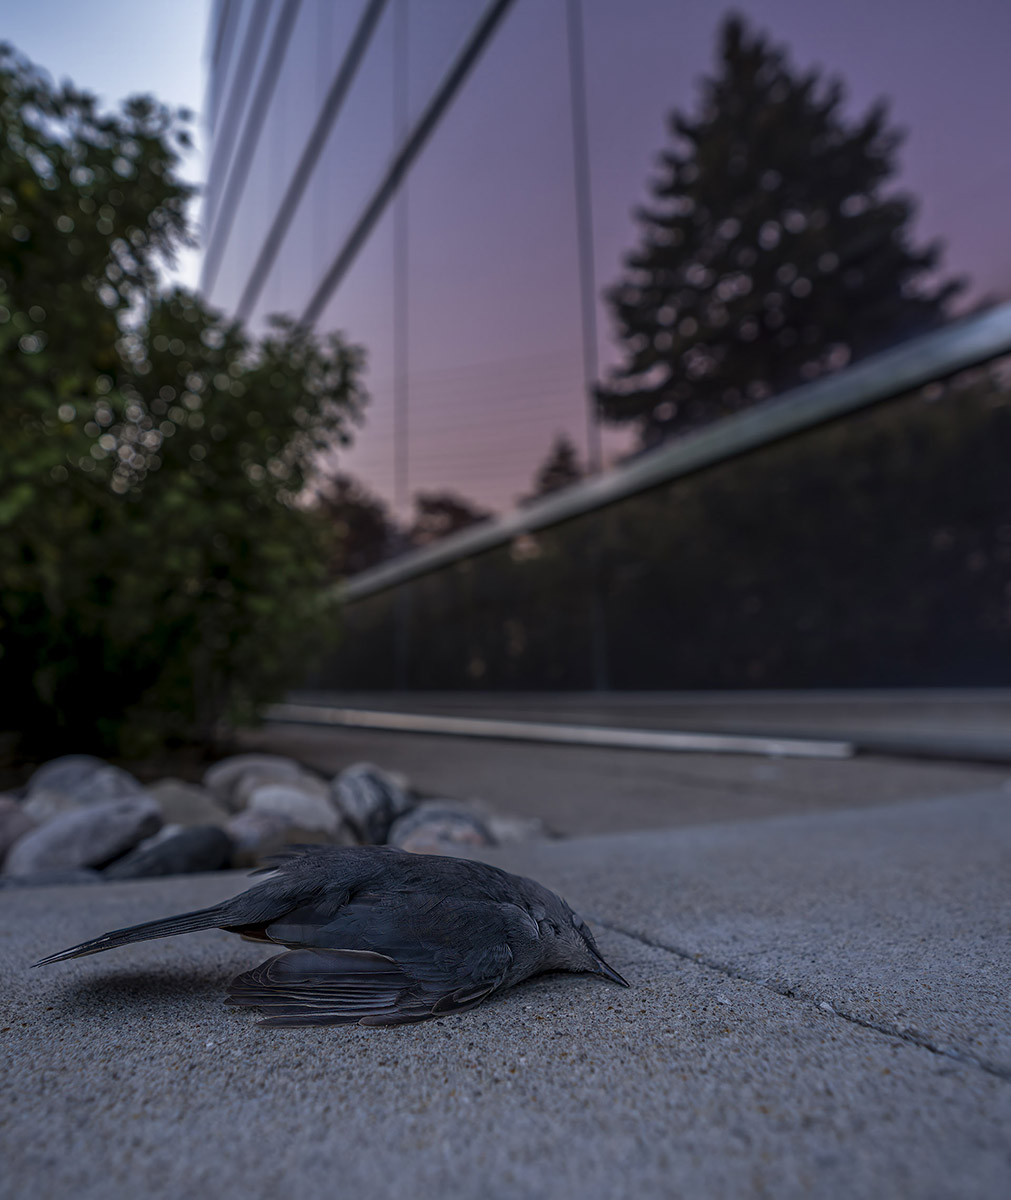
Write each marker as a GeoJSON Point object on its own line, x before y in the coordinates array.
{"type": "Point", "coordinates": [205, 918]}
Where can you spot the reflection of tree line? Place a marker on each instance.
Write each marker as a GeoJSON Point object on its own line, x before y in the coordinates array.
{"type": "Point", "coordinates": [873, 551]}
{"type": "Point", "coordinates": [365, 532]}
{"type": "Point", "coordinates": [775, 249]}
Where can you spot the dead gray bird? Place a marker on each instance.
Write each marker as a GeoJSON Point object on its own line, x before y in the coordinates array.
{"type": "Point", "coordinates": [378, 936]}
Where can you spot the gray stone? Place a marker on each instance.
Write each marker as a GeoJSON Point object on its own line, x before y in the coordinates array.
{"type": "Point", "coordinates": [108, 783]}
{"type": "Point", "coordinates": [508, 831]}
{"type": "Point", "coordinates": [506, 828]}
{"type": "Point", "coordinates": [439, 826]}
{"type": "Point", "coordinates": [69, 789]}
{"type": "Point", "coordinates": [186, 804]}
{"type": "Point", "coordinates": [307, 809]}
{"type": "Point", "coordinates": [315, 785]}
{"type": "Point", "coordinates": [257, 835]}
{"type": "Point", "coordinates": [166, 831]}
{"type": "Point", "coordinates": [14, 823]}
{"type": "Point", "coordinates": [42, 805]}
{"type": "Point", "coordinates": [186, 852]}
{"type": "Point", "coordinates": [370, 799]}
{"type": "Point", "coordinates": [65, 774]}
{"type": "Point", "coordinates": [259, 777]}
{"type": "Point", "coordinates": [87, 837]}
{"type": "Point", "coordinates": [222, 777]}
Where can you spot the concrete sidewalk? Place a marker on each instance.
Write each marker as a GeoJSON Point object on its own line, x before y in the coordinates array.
{"type": "Point", "coordinates": [819, 1007]}
{"type": "Point", "coordinates": [579, 790]}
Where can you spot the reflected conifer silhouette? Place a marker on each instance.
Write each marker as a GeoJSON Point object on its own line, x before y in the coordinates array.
{"type": "Point", "coordinates": [776, 248]}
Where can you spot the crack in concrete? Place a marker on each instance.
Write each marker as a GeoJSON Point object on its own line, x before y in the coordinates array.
{"type": "Point", "coordinates": [910, 1036]}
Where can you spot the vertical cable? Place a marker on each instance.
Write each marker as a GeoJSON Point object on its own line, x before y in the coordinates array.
{"type": "Point", "coordinates": [401, 347]}
{"type": "Point", "coordinates": [324, 57]}
{"type": "Point", "coordinates": [401, 231]}
{"type": "Point", "coordinates": [599, 672]}
{"type": "Point", "coordinates": [584, 227]}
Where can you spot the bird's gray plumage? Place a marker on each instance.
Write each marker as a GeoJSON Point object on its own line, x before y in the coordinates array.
{"type": "Point", "coordinates": [382, 937]}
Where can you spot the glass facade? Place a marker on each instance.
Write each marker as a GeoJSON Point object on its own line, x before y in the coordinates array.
{"type": "Point", "coordinates": [755, 220]}
{"type": "Point", "coordinates": [874, 551]}
{"type": "Point", "coordinates": [493, 348]}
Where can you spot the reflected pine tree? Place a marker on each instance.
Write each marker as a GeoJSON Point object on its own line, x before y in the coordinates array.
{"type": "Point", "coordinates": [438, 514]}
{"type": "Point", "coordinates": [363, 531]}
{"type": "Point", "coordinates": [560, 469]}
{"type": "Point", "coordinates": [776, 248]}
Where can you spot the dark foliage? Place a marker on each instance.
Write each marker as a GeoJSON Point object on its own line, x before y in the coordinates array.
{"type": "Point", "coordinates": [157, 573]}
{"type": "Point", "coordinates": [364, 532]}
{"type": "Point", "coordinates": [560, 469]}
{"type": "Point", "coordinates": [438, 514]}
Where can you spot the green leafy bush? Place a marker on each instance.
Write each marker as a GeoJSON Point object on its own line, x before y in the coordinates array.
{"type": "Point", "coordinates": [158, 572]}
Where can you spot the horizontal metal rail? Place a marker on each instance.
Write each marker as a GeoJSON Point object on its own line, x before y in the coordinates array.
{"type": "Point", "coordinates": [562, 735]}
{"type": "Point", "coordinates": [917, 362]}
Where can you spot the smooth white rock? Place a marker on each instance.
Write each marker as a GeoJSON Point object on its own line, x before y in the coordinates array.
{"type": "Point", "coordinates": [90, 836]}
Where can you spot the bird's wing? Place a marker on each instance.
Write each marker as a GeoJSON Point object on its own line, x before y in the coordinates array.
{"type": "Point", "coordinates": [343, 987]}
{"type": "Point", "coordinates": [381, 961]}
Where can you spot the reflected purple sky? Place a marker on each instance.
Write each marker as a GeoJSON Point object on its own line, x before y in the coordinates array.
{"type": "Point", "coordinates": [495, 352]}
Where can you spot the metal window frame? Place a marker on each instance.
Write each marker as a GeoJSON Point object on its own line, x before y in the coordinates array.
{"type": "Point", "coordinates": [409, 150]}
{"type": "Point", "coordinates": [330, 110]}
{"type": "Point", "coordinates": [969, 342]}
{"type": "Point", "coordinates": [220, 16]}
{"type": "Point", "coordinates": [242, 159]}
{"type": "Point", "coordinates": [232, 104]}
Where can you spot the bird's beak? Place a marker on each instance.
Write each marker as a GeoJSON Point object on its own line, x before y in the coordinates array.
{"type": "Point", "coordinates": [609, 972]}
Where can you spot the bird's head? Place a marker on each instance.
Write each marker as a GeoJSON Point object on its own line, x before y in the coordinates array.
{"type": "Point", "coordinates": [573, 944]}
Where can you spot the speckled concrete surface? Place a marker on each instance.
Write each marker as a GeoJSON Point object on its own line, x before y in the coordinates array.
{"type": "Point", "coordinates": [125, 1076]}
{"type": "Point", "coordinates": [900, 917]}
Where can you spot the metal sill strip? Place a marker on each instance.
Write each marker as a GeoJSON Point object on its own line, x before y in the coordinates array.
{"type": "Point", "coordinates": [965, 343]}
{"type": "Point", "coordinates": [560, 735]}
